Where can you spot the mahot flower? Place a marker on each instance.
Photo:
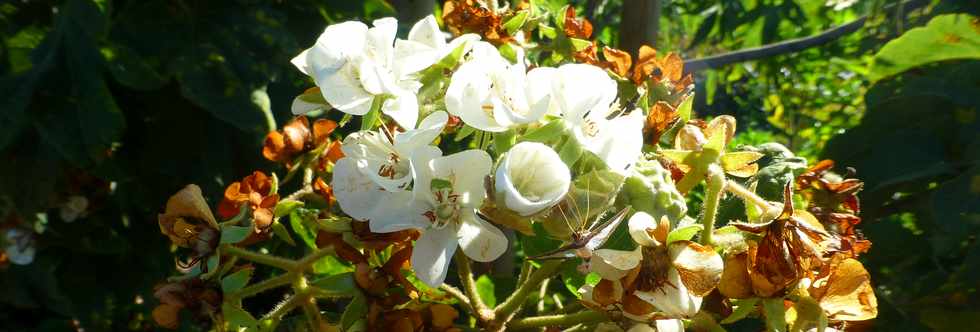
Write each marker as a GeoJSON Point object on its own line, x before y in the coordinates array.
{"type": "Point", "coordinates": [385, 157]}
{"type": "Point", "coordinates": [446, 194]}
{"type": "Point", "coordinates": [491, 94]}
{"type": "Point", "coordinates": [664, 278]}
{"type": "Point", "coordinates": [295, 138]}
{"type": "Point", "coordinates": [788, 248]}
{"type": "Point", "coordinates": [584, 96]}
{"type": "Point", "coordinates": [188, 221]}
{"type": "Point", "coordinates": [255, 191]}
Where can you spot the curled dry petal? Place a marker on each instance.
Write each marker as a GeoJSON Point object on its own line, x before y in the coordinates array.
{"type": "Point", "coordinates": [186, 217]}
{"type": "Point", "coordinates": [845, 293]}
{"type": "Point", "coordinates": [699, 267]}
{"type": "Point", "coordinates": [735, 282]}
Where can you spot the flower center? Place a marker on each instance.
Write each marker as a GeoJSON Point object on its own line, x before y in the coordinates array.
{"type": "Point", "coordinates": [590, 128]}
{"type": "Point", "coordinates": [390, 168]}
{"type": "Point", "coordinates": [653, 269]}
{"type": "Point", "coordinates": [446, 209]}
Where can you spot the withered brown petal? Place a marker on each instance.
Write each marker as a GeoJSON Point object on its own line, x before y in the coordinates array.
{"type": "Point", "coordinates": [699, 267]}
{"type": "Point", "coordinates": [848, 294]}
{"type": "Point", "coordinates": [735, 282]}
{"type": "Point", "coordinates": [618, 61]}
{"type": "Point", "coordinates": [575, 27]}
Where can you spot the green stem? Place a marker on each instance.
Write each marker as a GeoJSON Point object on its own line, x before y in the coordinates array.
{"type": "Point", "coordinates": [264, 285]}
{"type": "Point", "coordinates": [581, 317]}
{"type": "Point", "coordinates": [690, 180]}
{"type": "Point", "coordinates": [712, 196]}
{"type": "Point", "coordinates": [265, 259]}
{"type": "Point", "coordinates": [483, 313]}
{"type": "Point", "coordinates": [458, 294]}
{"type": "Point", "coordinates": [747, 195]}
{"type": "Point", "coordinates": [284, 307]}
{"type": "Point", "coordinates": [514, 302]}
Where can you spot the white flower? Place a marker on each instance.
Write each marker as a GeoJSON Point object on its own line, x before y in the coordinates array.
{"type": "Point", "coordinates": [490, 94]}
{"type": "Point", "coordinates": [532, 178]}
{"type": "Point", "coordinates": [353, 64]}
{"type": "Point", "coordinates": [387, 160]}
{"type": "Point", "coordinates": [672, 279]}
{"type": "Point", "coordinates": [446, 193]}
{"type": "Point", "coordinates": [20, 246]}
{"type": "Point", "coordinates": [663, 325]}
{"type": "Point", "coordinates": [584, 96]}
{"type": "Point", "coordinates": [74, 207]}
{"type": "Point", "coordinates": [426, 45]}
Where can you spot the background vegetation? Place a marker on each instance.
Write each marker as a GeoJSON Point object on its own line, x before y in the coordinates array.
{"type": "Point", "coordinates": [125, 102]}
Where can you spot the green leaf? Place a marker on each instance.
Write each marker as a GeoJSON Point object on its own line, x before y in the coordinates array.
{"type": "Point", "coordinates": [282, 233]}
{"type": "Point", "coordinates": [539, 243]}
{"type": "Point", "coordinates": [572, 277]}
{"type": "Point", "coordinates": [809, 314]}
{"type": "Point", "coordinates": [945, 37]}
{"type": "Point", "coordinates": [298, 221]}
{"type": "Point", "coordinates": [237, 280]}
{"type": "Point", "coordinates": [130, 69]}
{"type": "Point", "coordinates": [742, 309]}
{"type": "Point", "coordinates": [775, 314]}
{"type": "Point", "coordinates": [546, 133]}
{"type": "Point", "coordinates": [684, 110]}
{"type": "Point", "coordinates": [464, 132]}
{"type": "Point", "coordinates": [485, 289]}
{"type": "Point", "coordinates": [339, 285]}
{"type": "Point", "coordinates": [684, 233]}
{"type": "Point", "coordinates": [330, 265]}
{"type": "Point", "coordinates": [515, 22]}
{"type": "Point", "coordinates": [234, 234]}
{"type": "Point", "coordinates": [286, 207]}
{"type": "Point", "coordinates": [373, 116]}
{"type": "Point", "coordinates": [356, 310]}
{"type": "Point", "coordinates": [238, 318]}
{"type": "Point", "coordinates": [570, 151]}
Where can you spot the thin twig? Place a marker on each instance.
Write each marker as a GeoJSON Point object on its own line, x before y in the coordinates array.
{"type": "Point", "coordinates": [787, 46]}
{"type": "Point", "coordinates": [587, 316]}
{"type": "Point", "coordinates": [459, 296]}
{"type": "Point", "coordinates": [483, 313]}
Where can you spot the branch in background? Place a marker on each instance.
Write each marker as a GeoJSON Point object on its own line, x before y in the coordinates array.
{"type": "Point", "coordinates": [639, 25]}
{"type": "Point", "coordinates": [788, 46]}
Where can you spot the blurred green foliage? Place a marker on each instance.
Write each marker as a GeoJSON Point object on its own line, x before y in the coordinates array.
{"type": "Point", "coordinates": [124, 102]}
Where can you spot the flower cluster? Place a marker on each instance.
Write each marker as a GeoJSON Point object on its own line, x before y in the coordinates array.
{"type": "Point", "coordinates": [463, 144]}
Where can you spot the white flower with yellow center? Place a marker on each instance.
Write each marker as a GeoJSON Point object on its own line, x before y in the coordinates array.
{"type": "Point", "coordinates": [667, 277]}
{"type": "Point", "coordinates": [446, 193]}
{"type": "Point", "coordinates": [489, 93]}
{"type": "Point", "coordinates": [531, 177]}
{"type": "Point", "coordinates": [353, 64]}
{"type": "Point", "coordinates": [385, 157]}
{"type": "Point", "coordinates": [584, 96]}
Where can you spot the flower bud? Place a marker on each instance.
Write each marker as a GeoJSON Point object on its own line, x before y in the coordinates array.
{"type": "Point", "coordinates": [531, 177]}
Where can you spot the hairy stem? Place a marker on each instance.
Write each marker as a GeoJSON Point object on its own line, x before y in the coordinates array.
{"type": "Point", "coordinates": [581, 317]}
{"type": "Point", "coordinates": [264, 259]}
{"type": "Point", "coordinates": [483, 313]}
{"type": "Point", "coordinates": [458, 294]}
{"type": "Point", "coordinates": [264, 285]}
{"type": "Point", "coordinates": [514, 302]}
{"type": "Point", "coordinates": [747, 195]}
{"type": "Point", "coordinates": [712, 196]}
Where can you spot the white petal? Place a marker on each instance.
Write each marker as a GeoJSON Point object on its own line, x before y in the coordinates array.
{"type": "Point", "coordinates": [421, 163]}
{"type": "Point", "coordinates": [300, 62]}
{"type": "Point", "coordinates": [370, 75]}
{"type": "Point", "coordinates": [640, 224]}
{"type": "Point", "coordinates": [614, 264]}
{"type": "Point", "coordinates": [468, 96]}
{"type": "Point", "coordinates": [302, 105]}
{"type": "Point", "coordinates": [432, 253]}
{"type": "Point", "coordinates": [673, 301]}
{"type": "Point", "coordinates": [338, 44]}
{"type": "Point", "coordinates": [356, 193]}
{"type": "Point", "coordinates": [403, 108]}
{"type": "Point", "coordinates": [670, 325]}
{"type": "Point", "coordinates": [426, 31]}
{"type": "Point", "coordinates": [538, 91]}
{"type": "Point", "coordinates": [641, 328]}
{"type": "Point", "coordinates": [581, 88]}
{"type": "Point", "coordinates": [381, 40]}
{"type": "Point", "coordinates": [480, 240]}
{"type": "Point", "coordinates": [412, 57]}
{"type": "Point", "coordinates": [467, 170]}
{"type": "Point", "coordinates": [619, 142]}
{"type": "Point", "coordinates": [427, 131]}
{"type": "Point", "coordinates": [399, 212]}
{"type": "Point", "coordinates": [343, 90]}
{"type": "Point", "coordinates": [532, 177]}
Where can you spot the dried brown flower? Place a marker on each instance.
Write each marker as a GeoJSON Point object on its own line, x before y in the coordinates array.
{"type": "Point", "coordinates": [468, 16]}
{"type": "Point", "coordinates": [295, 138]}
